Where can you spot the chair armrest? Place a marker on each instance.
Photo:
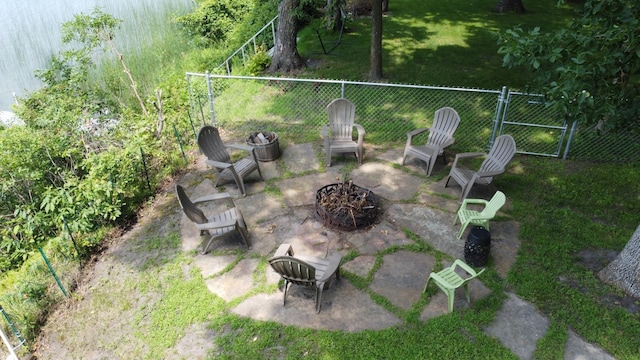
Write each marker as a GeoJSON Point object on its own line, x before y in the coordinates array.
{"type": "Point", "coordinates": [240, 147]}
{"type": "Point", "coordinates": [332, 266]}
{"type": "Point", "coordinates": [212, 197]}
{"type": "Point", "coordinates": [447, 143]}
{"type": "Point", "coordinates": [216, 225]}
{"type": "Point", "coordinates": [465, 155]}
{"type": "Point", "coordinates": [489, 173]}
{"type": "Point", "coordinates": [473, 201]}
{"type": "Point", "coordinates": [415, 132]}
{"type": "Point", "coordinates": [218, 164]}
{"type": "Point", "coordinates": [284, 250]}
{"type": "Point", "coordinates": [467, 268]}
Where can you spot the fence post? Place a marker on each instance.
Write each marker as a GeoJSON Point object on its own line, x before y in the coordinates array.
{"type": "Point", "coordinates": [498, 118]}
{"type": "Point", "coordinates": [568, 146]}
{"type": "Point", "coordinates": [64, 291]}
{"type": "Point", "coordinates": [210, 91]}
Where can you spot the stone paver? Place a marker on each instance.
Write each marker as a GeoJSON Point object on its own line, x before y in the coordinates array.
{"type": "Point", "coordinates": [401, 277]}
{"type": "Point", "coordinates": [387, 182]}
{"type": "Point", "coordinates": [518, 326]}
{"type": "Point", "coordinates": [432, 225]}
{"type": "Point", "coordinates": [578, 349]}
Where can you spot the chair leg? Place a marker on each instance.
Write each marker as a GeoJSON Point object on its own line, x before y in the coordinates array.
{"type": "Point", "coordinates": [260, 172]}
{"type": "Point", "coordinates": [466, 290]}
{"type": "Point", "coordinates": [284, 297]}
{"type": "Point", "coordinates": [430, 165]}
{"type": "Point", "coordinates": [427, 284]}
{"type": "Point", "coordinates": [319, 297]}
{"type": "Point", "coordinates": [450, 298]}
{"type": "Point", "coordinates": [462, 227]}
{"type": "Point", "coordinates": [447, 182]}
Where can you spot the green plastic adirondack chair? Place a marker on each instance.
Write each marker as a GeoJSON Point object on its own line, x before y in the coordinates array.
{"type": "Point", "coordinates": [480, 218]}
{"type": "Point", "coordinates": [448, 280]}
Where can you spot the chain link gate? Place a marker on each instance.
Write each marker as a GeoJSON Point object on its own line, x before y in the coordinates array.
{"type": "Point", "coordinates": [536, 128]}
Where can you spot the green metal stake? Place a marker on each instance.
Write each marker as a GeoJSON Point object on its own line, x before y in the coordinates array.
{"type": "Point", "coordinates": [192, 126]}
{"type": "Point", "coordinates": [53, 272]}
{"type": "Point", "coordinates": [66, 226]}
{"type": "Point", "coordinates": [146, 173]}
{"type": "Point", "coordinates": [12, 326]}
{"type": "Point", "coordinates": [175, 131]}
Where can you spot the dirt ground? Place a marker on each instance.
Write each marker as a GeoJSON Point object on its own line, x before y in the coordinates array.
{"type": "Point", "coordinates": [74, 327]}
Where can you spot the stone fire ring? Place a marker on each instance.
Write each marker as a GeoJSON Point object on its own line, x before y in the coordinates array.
{"type": "Point", "coordinates": [365, 217]}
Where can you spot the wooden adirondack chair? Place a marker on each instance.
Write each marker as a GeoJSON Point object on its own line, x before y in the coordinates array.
{"type": "Point", "coordinates": [307, 271]}
{"type": "Point", "coordinates": [218, 157]}
{"type": "Point", "coordinates": [338, 133]}
{"type": "Point", "coordinates": [217, 226]}
{"type": "Point", "coordinates": [445, 123]}
{"type": "Point", "coordinates": [495, 163]}
{"type": "Point", "coordinates": [480, 218]}
{"type": "Point", "coordinates": [448, 280]}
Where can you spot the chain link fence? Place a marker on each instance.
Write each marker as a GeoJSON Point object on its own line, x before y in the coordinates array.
{"type": "Point", "coordinates": [296, 109]}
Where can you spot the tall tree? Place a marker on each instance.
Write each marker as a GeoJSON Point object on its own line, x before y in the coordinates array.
{"type": "Point", "coordinates": [375, 72]}
{"type": "Point", "coordinates": [285, 56]}
{"type": "Point", "coordinates": [98, 30]}
{"type": "Point", "coordinates": [509, 5]}
{"type": "Point", "coordinates": [624, 271]}
{"type": "Point", "coordinates": [589, 71]}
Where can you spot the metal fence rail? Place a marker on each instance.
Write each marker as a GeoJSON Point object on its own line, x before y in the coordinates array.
{"type": "Point", "coordinates": [296, 109]}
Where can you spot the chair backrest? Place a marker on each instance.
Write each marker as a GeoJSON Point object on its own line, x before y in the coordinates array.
{"type": "Point", "coordinates": [496, 202]}
{"type": "Point", "coordinates": [342, 113]}
{"type": "Point", "coordinates": [211, 144]}
{"type": "Point", "coordinates": [502, 151]}
{"type": "Point", "coordinates": [445, 123]}
{"type": "Point", "coordinates": [190, 209]}
{"type": "Point", "coordinates": [294, 270]}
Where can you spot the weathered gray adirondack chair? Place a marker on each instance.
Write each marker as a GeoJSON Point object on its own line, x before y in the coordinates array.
{"type": "Point", "coordinates": [303, 270]}
{"type": "Point", "coordinates": [218, 157]}
{"type": "Point", "coordinates": [495, 163]}
{"type": "Point", "coordinates": [445, 123]}
{"type": "Point", "coordinates": [225, 223]}
{"type": "Point", "coordinates": [338, 133]}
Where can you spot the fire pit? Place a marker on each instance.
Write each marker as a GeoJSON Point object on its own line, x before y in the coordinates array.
{"type": "Point", "coordinates": [346, 206]}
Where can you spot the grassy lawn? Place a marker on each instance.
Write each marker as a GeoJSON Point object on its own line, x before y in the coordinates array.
{"type": "Point", "coordinates": [442, 43]}
{"type": "Point", "coordinates": [565, 208]}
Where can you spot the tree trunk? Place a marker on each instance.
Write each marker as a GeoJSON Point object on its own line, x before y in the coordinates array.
{"type": "Point", "coordinates": [385, 5]}
{"type": "Point", "coordinates": [375, 72]}
{"type": "Point", "coordinates": [509, 5]}
{"type": "Point", "coordinates": [624, 271]}
{"type": "Point", "coordinates": [334, 15]}
{"type": "Point", "coordinates": [285, 56]}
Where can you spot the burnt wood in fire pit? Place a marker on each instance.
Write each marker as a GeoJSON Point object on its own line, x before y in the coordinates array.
{"type": "Point", "coordinates": [346, 206]}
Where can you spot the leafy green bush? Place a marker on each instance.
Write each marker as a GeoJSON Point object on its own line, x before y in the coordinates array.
{"type": "Point", "coordinates": [210, 23]}
{"type": "Point", "coordinates": [258, 62]}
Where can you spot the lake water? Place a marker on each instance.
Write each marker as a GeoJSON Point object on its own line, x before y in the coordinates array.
{"type": "Point", "coordinates": [30, 33]}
